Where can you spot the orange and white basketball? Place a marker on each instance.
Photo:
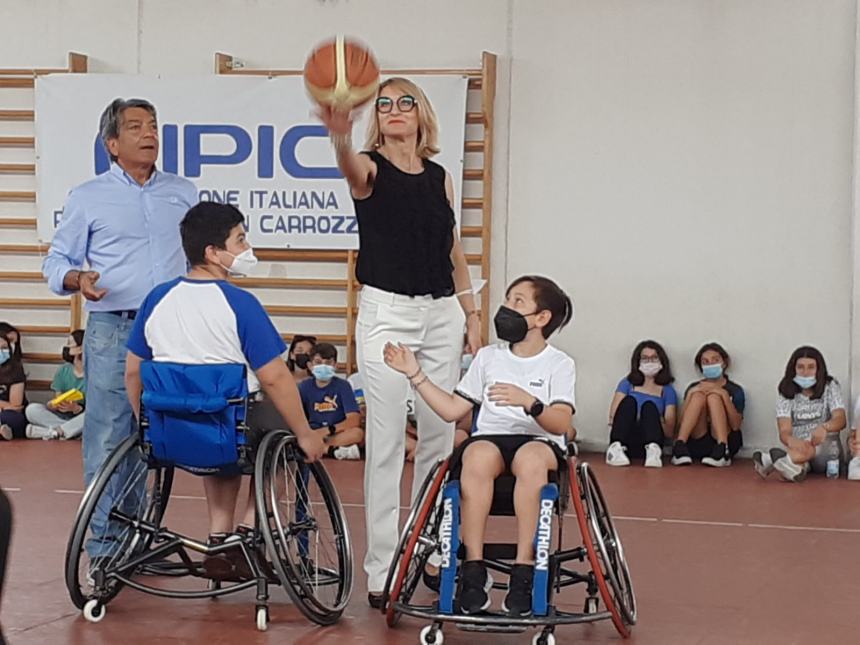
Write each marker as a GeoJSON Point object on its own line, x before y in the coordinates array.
{"type": "Point", "coordinates": [341, 73]}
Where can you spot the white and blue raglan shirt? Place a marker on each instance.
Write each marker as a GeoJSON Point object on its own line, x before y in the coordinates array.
{"type": "Point", "coordinates": [204, 322]}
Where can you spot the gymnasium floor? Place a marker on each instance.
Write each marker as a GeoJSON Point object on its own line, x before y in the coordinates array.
{"type": "Point", "coordinates": [717, 556]}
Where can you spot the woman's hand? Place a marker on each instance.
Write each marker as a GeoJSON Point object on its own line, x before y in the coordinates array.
{"type": "Point", "coordinates": [509, 395]}
{"type": "Point", "coordinates": [818, 435]}
{"type": "Point", "coordinates": [473, 334]}
{"type": "Point", "coordinates": [337, 122]}
{"type": "Point", "coordinates": [400, 358]}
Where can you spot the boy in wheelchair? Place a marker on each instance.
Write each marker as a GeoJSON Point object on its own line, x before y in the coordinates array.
{"type": "Point", "coordinates": [203, 319]}
{"type": "Point", "coordinates": [525, 389]}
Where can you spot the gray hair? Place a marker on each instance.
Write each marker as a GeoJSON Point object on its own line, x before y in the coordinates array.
{"type": "Point", "coordinates": [110, 119]}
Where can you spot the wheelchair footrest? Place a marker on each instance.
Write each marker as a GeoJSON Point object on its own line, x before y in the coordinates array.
{"type": "Point", "coordinates": [499, 629]}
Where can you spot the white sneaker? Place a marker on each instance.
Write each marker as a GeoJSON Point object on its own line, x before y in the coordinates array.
{"type": "Point", "coordinates": [653, 456]}
{"type": "Point", "coordinates": [789, 470]}
{"type": "Point", "coordinates": [616, 455]}
{"type": "Point", "coordinates": [347, 452]}
{"type": "Point", "coordinates": [762, 463]}
{"type": "Point", "coordinates": [32, 431]}
{"type": "Point", "coordinates": [854, 469]}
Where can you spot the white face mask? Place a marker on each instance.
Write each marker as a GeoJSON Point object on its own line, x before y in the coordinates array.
{"type": "Point", "coordinates": [242, 263]}
{"type": "Point", "coordinates": [650, 369]}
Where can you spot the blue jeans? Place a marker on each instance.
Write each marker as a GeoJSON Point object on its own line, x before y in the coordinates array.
{"type": "Point", "coordinates": [109, 419]}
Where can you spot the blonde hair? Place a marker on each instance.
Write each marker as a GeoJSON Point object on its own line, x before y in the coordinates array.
{"type": "Point", "coordinates": [427, 144]}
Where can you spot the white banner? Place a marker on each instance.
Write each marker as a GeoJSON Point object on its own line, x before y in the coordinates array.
{"type": "Point", "coordinates": [250, 141]}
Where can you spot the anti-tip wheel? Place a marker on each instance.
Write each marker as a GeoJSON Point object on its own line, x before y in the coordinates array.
{"type": "Point", "coordinates": [262, 619]}
{"type": "Point", "coordinates": [431, 635]}
{"type": "Point", "coordinates": [94, 611]}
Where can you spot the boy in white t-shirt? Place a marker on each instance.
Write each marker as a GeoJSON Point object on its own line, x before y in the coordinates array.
{"type": "Point", "coordinates": [525, 388]}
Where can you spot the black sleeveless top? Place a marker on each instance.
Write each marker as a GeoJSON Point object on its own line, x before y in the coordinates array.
{"type": "Point", "coordinates": [406, 231]}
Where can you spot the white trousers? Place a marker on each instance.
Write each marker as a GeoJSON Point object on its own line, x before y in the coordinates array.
{"type": "Point", "coordinates": [433, 329]}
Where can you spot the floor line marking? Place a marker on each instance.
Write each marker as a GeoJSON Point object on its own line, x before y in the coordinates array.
{"type": "Point", "coordinates": [670, 520]}
{"type": "Point", "coordinates": [786, 527]}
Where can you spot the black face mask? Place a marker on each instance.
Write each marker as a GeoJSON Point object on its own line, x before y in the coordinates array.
{"type": "Point", "coordinates": [511, 325]}
{"type": "Point", "coordinates": [302, 361]}
{"type": "Point", "coordinates": [67, 355]}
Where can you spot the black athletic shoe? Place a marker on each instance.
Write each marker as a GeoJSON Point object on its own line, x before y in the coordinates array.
{"type": "Point", "coordinates": [474, 587]}
{"type": "Point", "coordinates": [719, 457]}
{"type": "Point", "coordinates": [431, 580]}
{"type": "Point", "coordinates": [374, 600]}
{"type": "Point", "coordinates": [518, 602]}
{"type": "Point", "coordinates": [681, 454]}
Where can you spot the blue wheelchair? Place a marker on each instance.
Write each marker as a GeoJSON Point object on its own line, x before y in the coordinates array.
{"type": "Point", "coordinates": [431, 532]}
{"type": "Point", "coordinates": [198, 418]}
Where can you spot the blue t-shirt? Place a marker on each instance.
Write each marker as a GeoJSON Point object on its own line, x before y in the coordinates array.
{"type": "Point", "coordinates": [667, 397]}
{"type": "Point", "coordinates": [204, 322]}
{"type": "Point", "coordinates": [327, 405]}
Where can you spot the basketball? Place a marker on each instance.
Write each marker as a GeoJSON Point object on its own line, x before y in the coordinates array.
{"type": "Point", "coordinates": [341, 73]}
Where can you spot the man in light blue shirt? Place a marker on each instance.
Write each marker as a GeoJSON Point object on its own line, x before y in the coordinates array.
{"type": "Point", "coordinates": [124, 225]}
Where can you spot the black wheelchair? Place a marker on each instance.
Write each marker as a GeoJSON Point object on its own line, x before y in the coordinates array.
{"type": "Point", "coordinates": [431, 531]}
{"type": "Point", "coordinates": [198, 418]}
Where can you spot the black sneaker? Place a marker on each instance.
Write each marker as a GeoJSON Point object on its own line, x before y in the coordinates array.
{"type": "Point", "coordinates": [374, 600]}
{"type": "Point", "coordinates": [681, 454]}
{"type": "Point", "coordinates": [719, 457]}
{"type": "Point", "coordinates": [518, 602]}
{"type": "Point", "coordinates": [474, 587]}
{"type": "Point", "coordinates": [431, 580]}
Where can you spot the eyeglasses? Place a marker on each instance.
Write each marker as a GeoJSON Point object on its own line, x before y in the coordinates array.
{"type": "Point", "coordinates": [649, 359]}
{"type": "Point", "coordinates": [405, 103]}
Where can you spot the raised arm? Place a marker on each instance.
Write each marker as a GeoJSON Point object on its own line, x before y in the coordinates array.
{"type": "Point", "coordinates": [359, 170]}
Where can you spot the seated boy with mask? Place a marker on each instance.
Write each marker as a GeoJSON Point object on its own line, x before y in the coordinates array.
{"type": "Point", "coordinates": [203, 319]}
{"type": "Point", "coordinates": [330, 404]}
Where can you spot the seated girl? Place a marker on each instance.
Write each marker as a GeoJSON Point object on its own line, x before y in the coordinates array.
{"type": "Point", "coordinates": [643, 410]}
{"type": "Point", "coordinates": [809, 415]}
{"type": "Point", "coordinates": [526, 391]}
{"type": "Point", "coordinates": [13, 397]}
{"type": "Point", "coordinates": [65, 420]}
{"type": "Point", "coordinates": [713, 412]}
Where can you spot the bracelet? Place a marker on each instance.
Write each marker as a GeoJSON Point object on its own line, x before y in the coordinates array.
{"type": "Point", "coordinates": [341, 141]}
{"type": "Point", "coordinates": [414, 375]}
{"type": "Point", "coordinates": [415, 386]}
{"type": "Point", "coordinates": [465, 292]}
{"type": "Point", "coordinates": [471, 312]}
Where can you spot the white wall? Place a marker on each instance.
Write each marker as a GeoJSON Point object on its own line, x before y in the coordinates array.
{"type": "Point", "coordinates": [682, 167]}
{"type": "Point", "coordinates": [693, 160]}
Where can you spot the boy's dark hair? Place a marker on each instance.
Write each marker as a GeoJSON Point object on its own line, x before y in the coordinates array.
{"type": "Point", "coordinates": [298, 338]}
{"type": "Point", "coordinates": [788, 388]}
{"type": "Point", "coordinates": [663, 377]}
{"type": "Point", "coordinates": [207, 224]}
{"type": "Point", "coordinates": [326, 351]}
{"type": "Point", "coordinates": [713, 347]}
{"type": "Point", "coordinates": [549, 296]}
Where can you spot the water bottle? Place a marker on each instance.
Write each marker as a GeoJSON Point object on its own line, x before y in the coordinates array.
{"type": "Point", "coordinates": [833, 460]}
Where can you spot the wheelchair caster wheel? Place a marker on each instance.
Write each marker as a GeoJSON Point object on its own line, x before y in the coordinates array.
{"type": "Point", "coordinates": [262, 619]}
{"type": "Point", "coordinates": [431, 635]}
{"type": "Point", "coordinates": [590, 605]}
{"type": "Point", "coordinates": [94, 611]}
{"type": "Point", "coordinates": [543, 639]}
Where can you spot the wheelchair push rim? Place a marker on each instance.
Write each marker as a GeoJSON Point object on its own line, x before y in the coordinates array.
{"type": "Point", "coordinates": [126, 459]}
{"type": "Point", "coordinates": [307, 564]}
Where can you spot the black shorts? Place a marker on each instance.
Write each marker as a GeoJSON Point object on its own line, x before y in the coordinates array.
{"type": "Point", "coordinates": [508, 444]}
{"type": "Point", "coordinates": [704, 446]}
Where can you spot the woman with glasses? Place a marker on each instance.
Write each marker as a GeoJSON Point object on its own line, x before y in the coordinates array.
{"type": "Point", "coordinates": [710, 427]}
{"type": "Point", "coordinates": [416, 291]}
{"type": "Point", "coordinates": [643, 410]}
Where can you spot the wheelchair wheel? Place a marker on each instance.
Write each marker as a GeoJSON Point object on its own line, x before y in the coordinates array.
{"type": "Point", "coordinates": [418, 540]}
{"type": "Point", "coordinates": [609, 546]}
{"type": "Point", "coordinates": [619, 601]}
{"type": "Point", "coordinates": [125, 494]}
{"type": "Point", "coordinates": [304, 527]}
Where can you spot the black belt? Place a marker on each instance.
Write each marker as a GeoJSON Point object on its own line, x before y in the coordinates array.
{"type": "Point", "coordinates": [131, 314]}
